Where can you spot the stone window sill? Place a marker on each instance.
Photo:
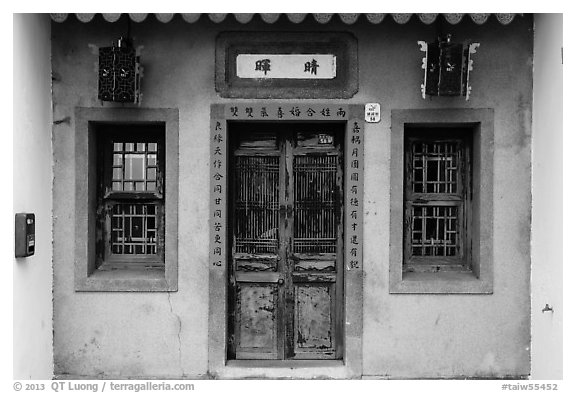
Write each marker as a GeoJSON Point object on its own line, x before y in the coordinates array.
{"type": "Point", "coordinates": [441, 282]}
{"type": "Point", "coordinates": [126, 280]}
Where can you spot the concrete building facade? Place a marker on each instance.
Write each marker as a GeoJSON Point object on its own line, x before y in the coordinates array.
{"type": "Point", "coordinates": [359, 307]}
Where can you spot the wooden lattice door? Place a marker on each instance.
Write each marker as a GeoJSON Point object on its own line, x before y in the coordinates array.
{"type": "Point", "coordinates": [286, 282]}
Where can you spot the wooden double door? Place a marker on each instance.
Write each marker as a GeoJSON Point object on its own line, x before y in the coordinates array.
{"type": "Point", "coordinates": [286, 272]}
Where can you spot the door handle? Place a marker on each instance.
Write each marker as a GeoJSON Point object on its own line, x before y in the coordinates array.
{"type": "Point", "coordinates": [280, 281]}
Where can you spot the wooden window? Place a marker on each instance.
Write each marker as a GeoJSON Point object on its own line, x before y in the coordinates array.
{"type": "Point", "coordinates": [437, 200]}
{"type": "Point", "coordinates": [126, 199]}
{"type": "Point", "coordinates": [130, 208]}
{"type": "Point", "coordinates": [441, 201]}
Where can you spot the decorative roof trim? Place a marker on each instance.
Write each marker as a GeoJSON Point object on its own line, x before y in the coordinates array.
{"type": "Point", "coordinates": [296, 18]}
{"type": "Point", "coordinates": [111, 17]}
{"type": "Point", "coordinates": [401, 18]}
{"type": "Point", "coordinates": [138, 17]}
{"type": "Point", "coordinates": [59, 17]}
{"type": "Point", "coordinates": [243, 18]}
{"type": "Point", "coordinates": [191, 18]}
{"type": "Point", "coordinates": [427, 18]}
{"type": "Point", "coordinates": [270, 18]}
{"type": "Point", "coordinates": [505, 18]}
{"type": "Point", "coordinates": [453, 18]}
{"type": "Point", "coordinates": [85, 18]}
{"type": "Point", "coordinates": [375, 18]}
{"type": "Point", "coordinates": [479, 19]}
{"type": "Point", "coordinates": [322, 18]}
{"type": "Point", "coordinates": [348, 19]}
{"type": "Point", "coordinates": [217, 18]}
{"type": "Point", "coordinates": [164, 18]}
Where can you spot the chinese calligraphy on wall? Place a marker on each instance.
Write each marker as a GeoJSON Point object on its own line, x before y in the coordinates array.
{"type": "Point", "coordinates": [218, 197]}
{"type": "Point", "coordinates": [355, 195]}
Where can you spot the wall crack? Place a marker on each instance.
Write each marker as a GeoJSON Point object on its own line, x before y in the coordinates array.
{"type": "Point", "coordinates": [179, 333]}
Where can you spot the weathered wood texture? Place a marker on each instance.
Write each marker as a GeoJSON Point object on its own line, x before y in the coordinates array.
{"type": "Point", "coordinates": [437, 194]}
{"type": "Point", "coordinates": [314, 324]}
{"type": "Point", "coordinates": [256, 309]}
{"type": "Point", "coordinates": [287, 241]}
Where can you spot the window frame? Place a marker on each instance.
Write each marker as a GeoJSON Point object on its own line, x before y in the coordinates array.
{"type": "Point", "coordinates": [459, 199]}
{"type": "Point", "coordinates": [108, 198]}
{"type": "Point", "coordinates": [88, 237]}
{"type": "Point", "coordinates": [478, 278]}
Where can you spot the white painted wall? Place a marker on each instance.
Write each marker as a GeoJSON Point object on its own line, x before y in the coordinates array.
{"type": "Point", "coordinates": [32, 193]}
{"type": "Point", "coordinates": [547, 199]}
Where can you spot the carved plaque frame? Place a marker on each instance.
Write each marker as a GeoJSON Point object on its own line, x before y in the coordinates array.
{"type": "Point", "coordinates": [343, 45]}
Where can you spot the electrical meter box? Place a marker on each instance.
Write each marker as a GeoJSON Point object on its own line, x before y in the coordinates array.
{"type": "Point", "coordinates": [24, 235]}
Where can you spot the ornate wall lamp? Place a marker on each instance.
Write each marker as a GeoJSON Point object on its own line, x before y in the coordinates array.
{"type": "Point", "coordinates": [119, 72]}
{"type": "Point", "coordinates": [447, 67]}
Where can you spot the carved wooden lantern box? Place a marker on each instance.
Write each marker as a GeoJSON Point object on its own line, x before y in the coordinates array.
{"type": "Point", "coordinates": [447, 68]}
{"type": "Point", "coordinates": [119, 73]}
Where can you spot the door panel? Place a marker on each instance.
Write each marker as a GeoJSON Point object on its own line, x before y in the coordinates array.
{"type": "Point", "coordinates": [317, 193]}
{"type": "Point", "coordinates": [313, 321]}
{"type": "Point", "coordinates": [256, 247]}
{"type": "Point", "coordinates": [256, 313]}
{"type": "Point", "coordinates": [286, 274]}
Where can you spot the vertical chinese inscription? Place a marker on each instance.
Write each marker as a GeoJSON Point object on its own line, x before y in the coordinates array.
{"type": "Point", "coordinates": [354, 171]}
{"type": "Point", "coordinates": [217, 191]}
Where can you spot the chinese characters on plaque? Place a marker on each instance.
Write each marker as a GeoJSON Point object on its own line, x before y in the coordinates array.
{"type": "Point", "coordinates": [286, 66]}
{"type": "Point", "coordinates": [286, 112]}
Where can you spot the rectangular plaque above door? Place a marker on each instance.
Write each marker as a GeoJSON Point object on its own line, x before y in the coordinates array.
{"type": "Point", "coordinates": [286, 65]}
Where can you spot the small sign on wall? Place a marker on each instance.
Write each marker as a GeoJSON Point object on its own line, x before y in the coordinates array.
{"type": "Point", "coordinates": [286, 66]}
{"type": "Point", "coordinates": [372, 112]}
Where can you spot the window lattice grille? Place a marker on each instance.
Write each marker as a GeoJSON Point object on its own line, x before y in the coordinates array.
{"type": "Point", "coordinates": [134, 229]}
{"type": "Point", "coordinates": [435, 167]}
{"type": "Point", "coordinates": [435, 231]}
{"type": "Point", "coordinates": [257, 204]}
{"type": "Point", "coordinates": [315, 193]}
{"type": "Point", "coordinates": [135, 166]}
